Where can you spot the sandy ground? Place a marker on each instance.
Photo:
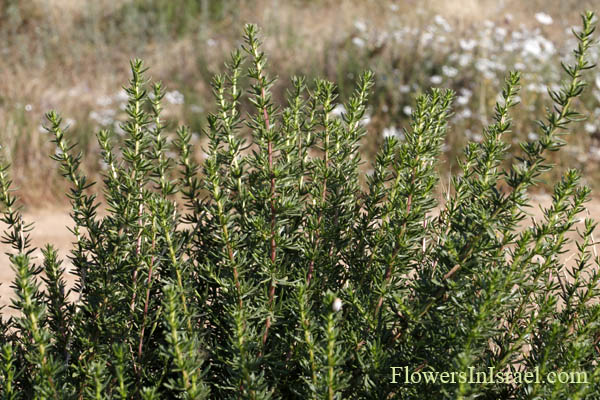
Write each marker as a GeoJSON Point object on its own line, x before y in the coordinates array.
{"type": "Point", "coordinates": [51, 226]}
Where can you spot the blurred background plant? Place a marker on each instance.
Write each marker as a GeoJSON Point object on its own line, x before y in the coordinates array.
{"type": "Point", "coordinates": [466, 45]}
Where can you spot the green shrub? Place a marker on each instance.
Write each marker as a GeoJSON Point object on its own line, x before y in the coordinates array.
{"type": "Point", "coordinates": [281, 276]}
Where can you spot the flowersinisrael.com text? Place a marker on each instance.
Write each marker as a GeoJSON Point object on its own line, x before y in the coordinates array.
{"type": "Point", "coordinates": [402, 375]}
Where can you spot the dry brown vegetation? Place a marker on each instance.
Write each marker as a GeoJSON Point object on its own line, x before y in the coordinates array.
{"type": "Point", "coordinates": [68, 55]}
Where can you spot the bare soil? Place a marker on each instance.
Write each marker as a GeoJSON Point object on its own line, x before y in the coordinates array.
{"type": "Point", "coordinates": [50, 226]}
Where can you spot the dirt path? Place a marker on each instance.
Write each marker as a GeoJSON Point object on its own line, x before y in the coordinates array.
{"type": "Point", "coordinates": [51, 226]}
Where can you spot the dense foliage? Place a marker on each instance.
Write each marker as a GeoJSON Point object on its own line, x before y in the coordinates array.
{"type": "Point", "coordinates": [282, 276]}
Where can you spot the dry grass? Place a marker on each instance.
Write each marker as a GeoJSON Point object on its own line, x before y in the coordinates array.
{"type": "Point", "coordinates": [66, 54]}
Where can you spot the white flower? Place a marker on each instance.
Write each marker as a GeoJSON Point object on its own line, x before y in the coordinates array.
{"type": "Point", "coordinates": [358, 42]}
{"type": "Point", "coordinates": [104, 101]}
{"type": "Point", "coordinates": [391, 131]}
{"type": "Point", "coordinates": [174, 97]}
{"type": "Point", "coordinates": [427, 37]}
{"type": "Point", "coordinates": [440, 21]}
{"type": "Point", "coordinates": [103, 119]}
{"type": "Point", "coordinates": [500, 33]}
{"type": "Point", "coordinates": [394, 7]}
{"type": "Point", "coordinates": [538, 47]}
{"type": "Point", "coordinates": [536, 87]}
{"type": "Point", "coordinates": [485, 66]}
{"type": "Point", "coordinates": [364, 121]}
{"type": "Point", "coordinates": [464, 114]}
{"type": "Point", "coordinates": [467, 44]}
{"type": "Point", "coordinates": [466, 92]}
{"type": "Point", "coordinates": [382, 38]}
{"type": "Point", "coordinates": [595, 152]}
{"type": "Point", "coordinates": [463, 100]}
{"type": "Point", "coordinates": [406, 89]}
{"type": "Point", "coordinates": [398, 35]}
{"type": "Point", "coordinates": [28, 107]}
{"type": "Point", "coordinates": [517, 35]}
{"type": "Point", "coordinates": [121, 95]}
{"type": "Point", "coordinates": [450, 72]}
{"type": "Point", "coordinates": [532, 47]}
{"type": "Point", "coordinates": [338, 110]}
{"type": "Point", "coordinates": [511, 46]}
{"type": "Point", "coordinates": [543, 18]}
{"type": "Point", "coordinates": [337, 305]}
{"type": "Point", "coordinates": [590, 128]}
{"type": "Point", "coordinates": [407, 110]}
{"type": "Point", "coordinates": [196, 108]}
{"type": "Point", "coordinates": [119, 129]}
{"type": "Point", "coordinates": [435, 79]}
{"type": "Point", "coordinates": [533, 136]}
{"type": "Point", "coordinates": [472, 136]}
{"type": "Point", "coordinates": [464, 60]}
{"type": "Point", "coordinates": [360, 25]}
{"type": "Point", "coordinates": [486, 42]}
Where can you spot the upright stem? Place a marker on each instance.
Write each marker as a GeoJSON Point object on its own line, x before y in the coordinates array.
{"type": "Point", "coordinates": [147, 301]}
{"type": "Point", "coordinates": [273, 245]}
{"type": "Point", "coordinates": [175, 262]}
{"type": "Point", "coordinates": [323, 195]}
{"type": "Point", "coordinates": [138, 248]}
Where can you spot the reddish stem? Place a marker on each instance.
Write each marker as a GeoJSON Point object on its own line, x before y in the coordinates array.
{"type": "Point", "coordinates": [149, 282]}
{"type": "Point", "coordinates": [311, 267]}
{"type": "Point", "coordinates": [388, 272]}
{"type": "Point", "coordinates": [138, 247]}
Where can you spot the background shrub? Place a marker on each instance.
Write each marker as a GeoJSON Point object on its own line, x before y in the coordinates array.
{"type": "Point", "coordinates": [72, 55]}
